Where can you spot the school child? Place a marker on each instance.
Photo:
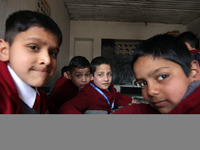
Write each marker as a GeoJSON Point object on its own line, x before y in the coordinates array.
{"type": "Point", "coordinates": [192, 43]}
{"type": "Point", "coordinates": [63, 78]}
{"type": "Point", "coordinates": [169, 78]}
{"type": "Point", "coordinates": [79, 76]}
{"type": "Point", "coordinates": [99, 96]}
{"type": "Point", "coordinates": [28, 57]}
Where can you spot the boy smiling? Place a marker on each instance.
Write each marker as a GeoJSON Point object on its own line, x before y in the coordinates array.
{"type": "Point", "coordinates": [28, 60]}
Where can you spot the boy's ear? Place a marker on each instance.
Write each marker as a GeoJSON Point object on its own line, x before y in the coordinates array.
{"type": "Point", "coordinates": [4, 50]}
{"type": "Point", "coordinates": [91, 77]}
{"type": "Point", "coordinates": [188, 46]}
{"type": "Point", "coordinates": [195, 70]}
{"type": "Point", "coordinates": [66, 75]}
{"type": "Point", "coordinates": [69, 75]}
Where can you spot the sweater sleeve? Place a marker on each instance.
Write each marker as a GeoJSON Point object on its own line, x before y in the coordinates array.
{"type": "Point", "coordinates": [76, 105]}
{"type": "Point", "coordinates": [137, 109]}
{"type": "Point", "coordinates": [63, 93]}
{"type": "Point", "coordinates": [122, 100]}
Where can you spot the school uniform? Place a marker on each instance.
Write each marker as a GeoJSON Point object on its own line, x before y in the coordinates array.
{"type": "Point", "coordinates": [194, 51]}
{"type": "Point", "coordinates": [195, 54]}
{"type": "Point", "coordinates": [60, 81]}
{"type": "Point", "coordinates": [16, 97]}
{"type": "Point", "coordinates": [64, 92]}
{"type": "Point", "coordinates": [90, 100]}
{"type": "Point", "coordinates": [189, 105]}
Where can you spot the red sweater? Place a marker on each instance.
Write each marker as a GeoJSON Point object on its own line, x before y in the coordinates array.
{"type": "Point", "coordinates": [9, 98]}
{"type": "Point", "coordinates": [64, 92]}
{"type": "Point", "coordinates": [190, 105]}
{"type": "Point", "coordinates": [194, 51]}
{"type": "Point", "coordinates": [90, 99]}
{"type": "Point", "coordinates": [59, 82]}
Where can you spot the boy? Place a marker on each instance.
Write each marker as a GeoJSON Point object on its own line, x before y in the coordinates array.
{"type": "Point", "coordinates": [28, 59]}
{"type": "Point", "coordinates": [190, 40]}
{"type": "Point", "coordinates": [169, 78]}
{"type": "Point", "coordinates": [99, 96]}
{"type": "Point", "coordinates": [79, 76]}
{"type": "Point", "coordinates": [192, 43]}
{"type": "Point", "coordinates": [63, 78]}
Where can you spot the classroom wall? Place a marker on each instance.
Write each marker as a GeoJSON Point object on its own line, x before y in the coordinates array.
{"type": "Point", "coordinates": [194, 27]}
{"type": "Point", "coordinates": [89, 34]}
{"type": "Point", "coordinates": [58, 14]}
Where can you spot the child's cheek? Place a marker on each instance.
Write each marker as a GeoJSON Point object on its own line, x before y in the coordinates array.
{"type": "Point", "coordinates": [144, 94]}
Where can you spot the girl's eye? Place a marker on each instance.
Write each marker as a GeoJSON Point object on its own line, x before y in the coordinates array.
{"type": "Point", "coordinates": [162, 77]}
{"type": "Point", "coordinates": [33, 47]}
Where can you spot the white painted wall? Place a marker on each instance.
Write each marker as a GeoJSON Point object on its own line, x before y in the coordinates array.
{"type": "Point", "coordinates": [97, 30]}
{"type": "Point", "coordinates": [2, 17]}
{"type": "Point", "coordinates": [58, 14]}
{"type": "Point", "coordinates": [194, 27]}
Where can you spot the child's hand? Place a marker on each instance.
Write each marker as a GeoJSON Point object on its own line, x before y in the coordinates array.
{"type": "Point", "coordinates": [134, 101]}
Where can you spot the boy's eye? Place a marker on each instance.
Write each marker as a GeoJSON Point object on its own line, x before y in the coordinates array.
{"type": "Point", "coordinates": [52, 53]}
{"type": "Point", "coordinates": [87, 75]}
{"type": "Point", "coordinates": [109, 74]}
{"type": "Point", "coordinates": [100, 75]}
{"type": "Point", "coordinates": [162, 77]}
{"type": "Point", "coordinates": [142, 84]}
{"type": "Point", "coordinates": [78, 76]}
{"type": "Point", "coordinates": [33, 47]}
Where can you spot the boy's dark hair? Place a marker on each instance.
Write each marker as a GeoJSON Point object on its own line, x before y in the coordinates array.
{"type": "Point", "coordinates": [167, 47]}
{"type": "Point", "coordinates": [97, 62]}
{"type": "Point", "coordinates": [79, 62]}
{"type": "Point", "coordinates": [22, 20]}
{"type": "Point", "coordinates": [190, 38]}
{"type": "Point", "coordinates": [64, 69]}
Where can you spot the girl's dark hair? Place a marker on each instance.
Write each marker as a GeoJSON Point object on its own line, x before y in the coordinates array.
{"type": "Point", "coordinates": [78, 62]}
{"type": "Point", "coordinates": [22, 20]}
{"type": "Point", "coordinates": [167, 47]}
{"type": "Point", "coordinates": [97, 62]}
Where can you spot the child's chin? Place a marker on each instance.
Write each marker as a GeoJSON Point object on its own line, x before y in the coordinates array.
{"type": "Point", "coordinates": [164, 111]}
{"type": "Point", "coordinates": [39, 84]}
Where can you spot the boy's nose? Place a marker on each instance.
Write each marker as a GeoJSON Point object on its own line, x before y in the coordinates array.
{"type": "Point", "coordinates": [106, 78]}
{"type": "Point", "coordinates": [83, 78]}
{"type": "Point", "coordinates": [45, 58]}
{"type": "Point", "coordinates": [153, 89]}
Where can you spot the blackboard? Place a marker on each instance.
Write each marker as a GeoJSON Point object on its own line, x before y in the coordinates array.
{"type": "Point", "coordinates": [120, 63]}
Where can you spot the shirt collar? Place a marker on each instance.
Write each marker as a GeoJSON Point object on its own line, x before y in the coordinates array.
{"type": "Point", "coordinates": [25, 91]}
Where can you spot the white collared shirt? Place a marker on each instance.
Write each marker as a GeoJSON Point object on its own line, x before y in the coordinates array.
{"type": "Point", "coordinates": [25, 91]}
